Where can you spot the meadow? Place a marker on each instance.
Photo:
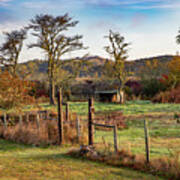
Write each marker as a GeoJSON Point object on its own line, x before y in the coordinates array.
{"type": "Point", "coordinates": [129, 108]}
{"type": "Point", "coordinates": [24, 162]}
{"type": "Point", "coordinates": [163, 128]}
{"type": "Point", "coordinates": [51, 162]}
{"type": "Point", "coordinates": [164, 138]}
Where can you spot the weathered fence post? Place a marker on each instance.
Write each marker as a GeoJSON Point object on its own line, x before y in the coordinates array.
{"type": "Point", "coordinates": [115, 139]}
{"type": "Point", "coordinates": [78, 128]}
{"type": "Point", "coordinates": [90, 121]}
{"type": "Point", "coordinates": [60, 117]}
{"type": "Point", "coordinates": [37, 122]}
{"type": "Point", "coordinates": [27, 117]}
{"type": "Point", "coordinates": [67, 111]}
{"type": "Point", "coordinates": [20, 120]}
{"type": "Point", "coordinates": [146, 136]}
{"type": "Point", "coordinates": [5, 120]}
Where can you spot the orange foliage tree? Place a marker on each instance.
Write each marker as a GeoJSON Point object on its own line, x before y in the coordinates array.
{"type": "Point", "coordinates": [14, 92]}
{"type": "Point", "coordinates": [174, 71]}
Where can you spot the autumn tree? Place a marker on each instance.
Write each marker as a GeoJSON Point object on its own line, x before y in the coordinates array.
{"type": "Point", "coordinates": [11, 48]}
{"type": "Point", "coordinates": [152, 69]}
{"type": "Point", "coordinates": [174, 71]}
{"type": "Point", "coordinates": [28, 71]}
{"type": "Point", "coordinates": [49, 31]}
{"type": "Point", "coordinates": [153, 77]}
{"type": "Point", "coordinates": [14, 92]}
{"type": "Point", "coordinates": [118, 50]}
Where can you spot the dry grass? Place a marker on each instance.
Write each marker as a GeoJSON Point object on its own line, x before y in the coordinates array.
{"type": "Point", "coordinates": [44, 132]}
{"type": "Point", "coordinates": [167, 167]}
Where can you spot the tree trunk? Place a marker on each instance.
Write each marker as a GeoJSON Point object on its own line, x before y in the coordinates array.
{"type": "Point", "coordinates": [52, 91]}
{"type": "Point", "coordinates": [121, 98]}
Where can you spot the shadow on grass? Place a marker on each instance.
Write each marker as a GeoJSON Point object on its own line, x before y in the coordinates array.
{"type": "Point", "coordinates": [6, 146]}
{"type": "Point", "coordinates": [115, 171]}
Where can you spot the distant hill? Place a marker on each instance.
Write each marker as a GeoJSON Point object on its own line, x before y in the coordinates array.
{"type": "Point", "coordinates": [93, 65]}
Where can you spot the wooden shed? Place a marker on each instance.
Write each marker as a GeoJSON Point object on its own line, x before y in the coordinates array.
{"type": "Point", "coordinates": [108, 96]}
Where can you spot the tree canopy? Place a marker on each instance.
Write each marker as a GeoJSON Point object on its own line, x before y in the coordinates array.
{"type": "Point", "coordinates": [51, 38]}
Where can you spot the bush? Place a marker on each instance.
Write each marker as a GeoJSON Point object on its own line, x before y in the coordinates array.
{"type": "Point", "coordinates": [43, 132]}
{"type": "Point", "coordinates": [14, 92]}
{"type": "Point", "coordinates": [132, 89]}
{"type": "Point", "coordinates": [152, 87]}
{"type": "Point", "coordinates": [172, 96]}
{"type": "Point", "coordinates": [167, 167]}
{"type": "Point", "coordinates": [39, 90]}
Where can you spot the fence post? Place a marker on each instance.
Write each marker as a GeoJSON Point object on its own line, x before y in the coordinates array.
{"type": "Point", "coordinates": [20, 120]}
{"type": "Point", "coordinates": [60, 117]}
{"type": "Point", "coordinates": [115, 138]}
{"type": "Point", "coordinates": [146, 136]}
{"type": "Point", "coordinates": [27, 117]}
{"type": "Point", "coordinates": [37, 122]}
{"type": "Point", "coordinates": [78, 128]}
{"type": "Point", "coordinates": [90, 121]}
{"type": "Point", "coordinates": [67, 111]}
{"type": "Point", "coordinates": [5, 120]}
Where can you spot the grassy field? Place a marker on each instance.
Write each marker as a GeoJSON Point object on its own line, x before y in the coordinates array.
{"type": "Point", "coordinates": [164, 138]}
{"type": "Point", "coordinates": [52, 163]}
{"type": "Point", "coordinates": [164, 131]}
{"type": "Point", "coordinates": [130, 108]}
{"type": "Point", "coordinates": [22, 162]}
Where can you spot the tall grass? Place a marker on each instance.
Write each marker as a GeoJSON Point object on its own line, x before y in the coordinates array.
{"type": "Point", "coordinates": [167, 167]}
{"type": "Point", "coordinates": [45, 133]}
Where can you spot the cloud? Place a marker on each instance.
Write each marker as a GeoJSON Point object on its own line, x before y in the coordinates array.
{"type": "Point", "coordinates": [4, 2]}
{"type": "Point", "coordinates": [138, 20]}
{"type": "Point", "coordinates": [123, 2]}
{"type": "Point", "coordinates": [9, 26]}
{"type": "Point", "coordinates": [38, 5]}
{"type": "Point", "coordinates": [137, 4]}
{"type": "Point", "coordinates": [159, 6]}
{"type": "Point", "coordinates": [55, 5]}
{"type": "Point", "coordinates": [6, 17]}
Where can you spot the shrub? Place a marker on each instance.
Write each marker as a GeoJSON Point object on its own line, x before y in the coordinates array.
{"type": "Point", "coordinates": [172, 96]}
{"type": "Point", "coordinates": [152, 87]}
{"type": "Point", "coordinates": [133, 89]}
{"type": "Point", "coordinates": [43, 132]}
{"type": "Point", "coordinates": [167, 167]}
{"type": "Point", "coordinates": [39, 90]}
{"type": "Point", "coordinates": [14, 91]}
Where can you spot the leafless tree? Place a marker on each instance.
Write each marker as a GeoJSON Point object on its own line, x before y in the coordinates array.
{"type": "Point", "coordinates": [11, 48]}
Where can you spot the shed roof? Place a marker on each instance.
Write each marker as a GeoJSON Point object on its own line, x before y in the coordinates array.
{"type": "Point", "coordinates": [106, 92]}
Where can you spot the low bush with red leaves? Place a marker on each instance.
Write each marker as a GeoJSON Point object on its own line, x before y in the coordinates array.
{"type": "Point", "coordinates": [171, 96]}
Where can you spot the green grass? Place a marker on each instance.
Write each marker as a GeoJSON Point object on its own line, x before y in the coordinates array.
{"type": "Point", "coordinates": [164, 137]}
{"type": "Point", "coordinates": [130, 108]}
{"type": "Point", "coordinates": [164, 141]}
{"type": "Point", "coordinates": [22, 162]}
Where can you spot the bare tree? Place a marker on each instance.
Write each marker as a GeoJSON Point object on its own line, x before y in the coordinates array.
{"type": "Point", "coordinates": [118, 51]}
{"type": "Point", "coordinates": [49, 31]}
{"type": "Point", "coordinates": [11, 48]}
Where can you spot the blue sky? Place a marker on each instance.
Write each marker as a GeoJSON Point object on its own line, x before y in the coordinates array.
{"type": "Point", "coordinates": [150, 25]}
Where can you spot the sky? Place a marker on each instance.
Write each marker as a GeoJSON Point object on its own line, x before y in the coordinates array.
{"type": "Point", "coordinates": [149, 25]}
